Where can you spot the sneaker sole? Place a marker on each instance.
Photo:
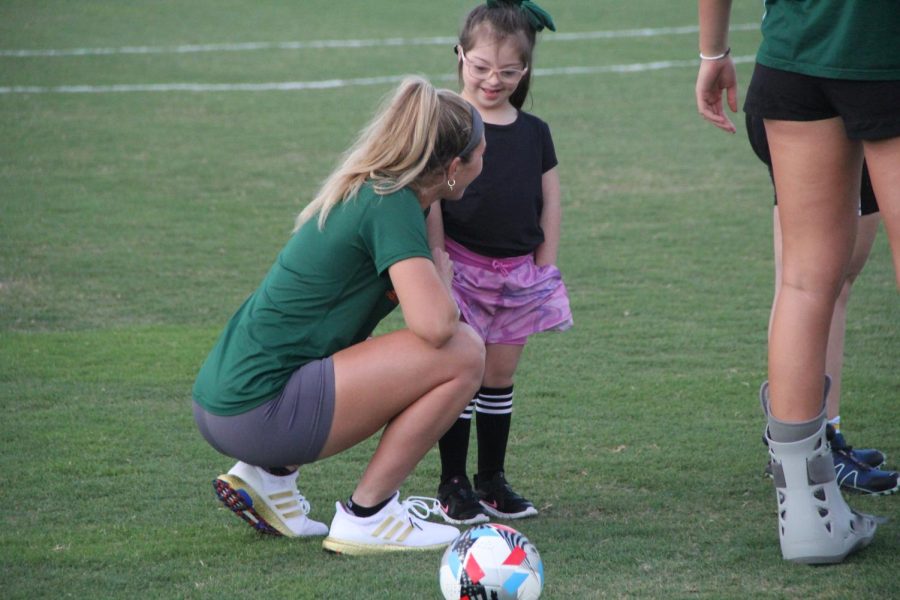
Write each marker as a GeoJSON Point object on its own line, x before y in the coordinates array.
{"type": "Point", "coordinates": [338, 546]}
{"type": "Point", "coordinates": [528, 512]}
{"type": "Point", "coordinates": [868, 492]}
{"type": "Point", "coordinates": [236, 496]}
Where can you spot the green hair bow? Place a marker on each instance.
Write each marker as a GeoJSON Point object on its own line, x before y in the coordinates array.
{"type": "Point", "coordinates": [537, 16]}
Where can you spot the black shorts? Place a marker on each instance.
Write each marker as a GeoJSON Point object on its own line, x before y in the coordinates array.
{"type": "Point", "coordinates": [290, 429]}
{"type": "Point", "coordinates": [870, 109]}
{"type": "Point", "coordinates": [756, 132]}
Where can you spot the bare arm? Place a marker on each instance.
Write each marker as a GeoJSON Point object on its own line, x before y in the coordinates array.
{"type": "Point", "coordinates": [435, 227]}
{"type": "Point", "coordinates": [551, 218]}
{"type": "Point", "coordinates": [715, 76]}
{"type": "Point", "coordinates": [423, 288]}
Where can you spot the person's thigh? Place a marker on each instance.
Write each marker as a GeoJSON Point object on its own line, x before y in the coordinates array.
{"type": "Point", "coordinates": [817, 174]}
{"type": "Point", "coordinates": [379, 378]}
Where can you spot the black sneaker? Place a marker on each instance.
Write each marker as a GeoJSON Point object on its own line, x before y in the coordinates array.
{"type": "Point", "coordinates": [458, 502]}
{"type": "Point", "coordinates": [499, 500]}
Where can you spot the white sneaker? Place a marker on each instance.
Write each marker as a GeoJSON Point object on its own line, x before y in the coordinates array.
{"type": "Point", "coordinates": [269, 503]}
{"type": "Point", "coordinates": [396, 527]}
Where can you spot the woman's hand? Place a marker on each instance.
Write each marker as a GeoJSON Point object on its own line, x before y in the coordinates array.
{"type": "Point", "coordinates": [715, 78]}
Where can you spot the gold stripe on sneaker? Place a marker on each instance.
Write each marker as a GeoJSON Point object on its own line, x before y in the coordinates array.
{"type": "Point", "coordinates": [292, 514]}
{"type": "Point", "coordinates": [409, 530]}
{"type": "Point", "coordinates": [384, 525]}
{"type": "Point", "coordinates": [390, 528]}
{"type": "Point", "coordinates": [280, 495]}
{"type": "Point", "coordinates": [390, 534]}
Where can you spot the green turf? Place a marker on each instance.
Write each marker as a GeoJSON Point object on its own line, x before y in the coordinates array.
{"type": "Point", "coordinates": [133, 224]}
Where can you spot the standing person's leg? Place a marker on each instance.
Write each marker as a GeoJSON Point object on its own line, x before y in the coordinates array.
{"type": "Point", "coordinates": [494, 405]}
{"type": "Point", "coordinates": [458, 502]}
{"type": "Point", "coordinates": [493, 408]}
{"type": "Point", "coordinates": [883, 159]}
{"type": "Point", "coordinates": [867, 227]}
{"type": "Point", "coordinates": [817, 174]}
{"type": "Point", "coordinates": [856, 468]}
{"type": "Point", "coordinates": [859, 466]}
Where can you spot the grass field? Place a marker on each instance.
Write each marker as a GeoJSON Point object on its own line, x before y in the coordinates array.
{"type": "Point", "coordinates": [134, 220]}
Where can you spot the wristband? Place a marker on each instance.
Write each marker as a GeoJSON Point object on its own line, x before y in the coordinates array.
{"type": "Point", "coordinates": [718, 56]}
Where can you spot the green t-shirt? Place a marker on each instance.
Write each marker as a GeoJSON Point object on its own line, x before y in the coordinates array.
{"type": "Point", "coordinates": [327, 290]}
{"type": "Point", "coordinates": [835, 39]}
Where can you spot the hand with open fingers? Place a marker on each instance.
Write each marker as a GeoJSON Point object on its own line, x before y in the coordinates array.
{"type": "Point", "coordinates": [714, 78]}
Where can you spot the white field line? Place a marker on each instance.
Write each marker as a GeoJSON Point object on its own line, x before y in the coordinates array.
{"type": "Point", "coordinates": [288, 86]}
{"type": "Point", "coordinates": [314, 44]}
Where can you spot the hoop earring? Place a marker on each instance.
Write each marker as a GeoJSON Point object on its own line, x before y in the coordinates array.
{"type": "Point", "coordinates": [451, 183]}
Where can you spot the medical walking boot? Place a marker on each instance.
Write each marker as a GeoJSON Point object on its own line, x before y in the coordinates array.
{"type": "Point", "coordinates": [815, 525]}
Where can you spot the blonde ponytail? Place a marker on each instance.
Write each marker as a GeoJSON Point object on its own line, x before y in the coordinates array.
{"type": "Point", "coordinates": [409, 139]}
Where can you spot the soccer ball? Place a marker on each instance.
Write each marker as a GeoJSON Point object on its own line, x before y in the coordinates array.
{"type": "Point", "coordinates": [491, 562]}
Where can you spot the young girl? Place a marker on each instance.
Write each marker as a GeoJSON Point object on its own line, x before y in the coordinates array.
{"type": "Point", "coordinates": [503, 238]}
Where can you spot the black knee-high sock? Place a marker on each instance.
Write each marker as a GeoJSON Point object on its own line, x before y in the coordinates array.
{"type": "Point", "coordinates": [454, 446]}
{"type": "Point", "coordinates": [494, 409]}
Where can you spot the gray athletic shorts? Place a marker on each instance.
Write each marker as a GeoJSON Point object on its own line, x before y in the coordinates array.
{"type": "Point", "coordinates": [290, 429]}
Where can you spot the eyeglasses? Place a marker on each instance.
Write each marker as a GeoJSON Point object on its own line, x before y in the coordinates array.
{"type": "Point", "coordinates": [481, 72]}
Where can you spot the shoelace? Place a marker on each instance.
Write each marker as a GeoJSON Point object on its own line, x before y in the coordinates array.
{"type": "Point", "coordinates": [421, 507]}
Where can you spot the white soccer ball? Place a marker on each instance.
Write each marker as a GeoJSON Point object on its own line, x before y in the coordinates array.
{"type": "Point", "coordinates": [491, 562]}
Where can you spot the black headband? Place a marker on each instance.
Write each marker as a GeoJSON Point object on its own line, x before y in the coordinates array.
{"type": "Point", "coordinates": [477, 132]}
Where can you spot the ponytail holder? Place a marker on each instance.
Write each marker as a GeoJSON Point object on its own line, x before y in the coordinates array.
{"type": "Point", "coordinates": [537, 16]}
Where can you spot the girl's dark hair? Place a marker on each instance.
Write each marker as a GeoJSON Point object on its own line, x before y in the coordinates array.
{"type": "Point", "coordinates": [502, 22]}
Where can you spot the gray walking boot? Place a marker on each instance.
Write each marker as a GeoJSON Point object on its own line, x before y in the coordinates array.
{"type": "Point", "coordinates": [815, 525]}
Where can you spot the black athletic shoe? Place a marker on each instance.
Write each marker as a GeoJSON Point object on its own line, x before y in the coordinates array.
{"type": "Point", "coordinates": [499, 500]}
{"type": "Point", "coordinates": [458, 502]}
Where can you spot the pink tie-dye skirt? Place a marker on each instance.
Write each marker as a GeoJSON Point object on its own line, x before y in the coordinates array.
{"type": "Point", "coordinates": [507, 299]}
